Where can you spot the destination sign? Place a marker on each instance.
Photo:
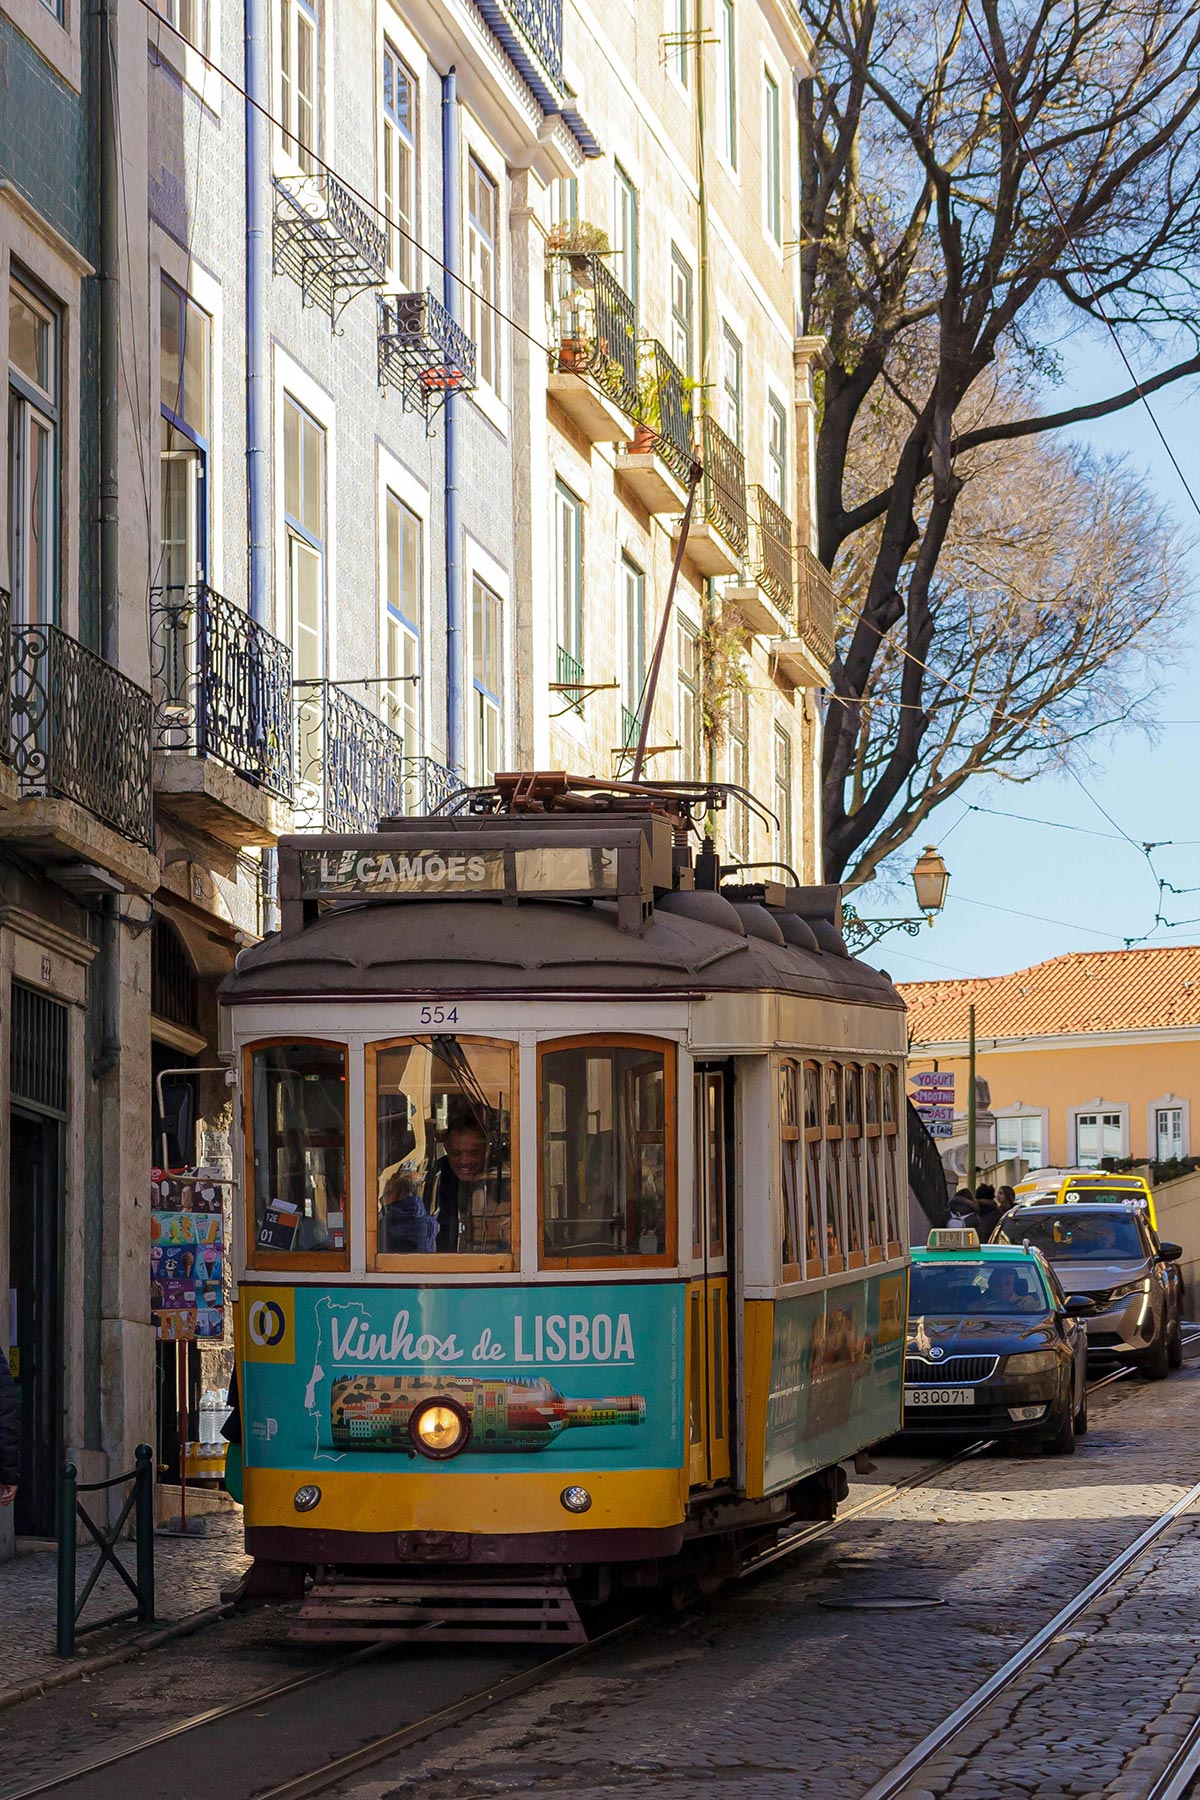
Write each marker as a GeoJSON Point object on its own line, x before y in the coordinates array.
{"type": "Point", "coordinates": [330, 876]}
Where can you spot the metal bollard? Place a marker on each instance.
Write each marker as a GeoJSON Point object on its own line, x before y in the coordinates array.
{"type": "Point", "coordinates": [144, 1521]}
{"type": "Point", "coordinates": [65, 1625]}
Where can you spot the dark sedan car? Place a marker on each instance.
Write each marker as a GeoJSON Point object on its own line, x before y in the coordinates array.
{"type": "Point", "coordinates": [994, 1347]}
{"type": "Point", "coordinates": [1112, 1253]}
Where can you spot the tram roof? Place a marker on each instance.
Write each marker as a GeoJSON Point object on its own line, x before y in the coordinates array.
{"type": "Point", "coordinates": [385, 947]}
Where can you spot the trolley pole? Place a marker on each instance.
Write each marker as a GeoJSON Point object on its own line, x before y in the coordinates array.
{"type": "Point", "coordinates": [971, 1100]}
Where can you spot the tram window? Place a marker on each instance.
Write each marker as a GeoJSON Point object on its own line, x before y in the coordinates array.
{"type": "Point", "coordinates": [443, 1148]}
{"type": "Point", "coordinates": [606, 1171]}
{"type": "Point", "coordinates": [855, 1173]}
{"type": "Point", "coordinates": [835, 1171]}
{"type": "Point", "coordinates": [297, 1140]}
{"type": "Point", "coordinates": [814, 1157]}
{"type": "Point", "coordinates": [895, 1189]}
{"type": "Point", "coordinates": [874, 1179]}
{"type": "Point", "coordinates": [793, 1186]}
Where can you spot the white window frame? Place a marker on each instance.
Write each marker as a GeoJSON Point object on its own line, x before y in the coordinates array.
{"type": "Point", "coordinates": [402, 246]}
{"type": "Point", "coordinates": [54, 33]}
{"type": "Point", "coordinates": [677, 25]}
{"type": "Point", "coordinates": [286, 17]}
{"type": "Point", "coordinates": [685, 684]}
{"type": "Point", "coordinates": [733, 356]}
{"type": "Point", "coordinates": [37, 412]}
{"type": "Point", "coordinates": [682, 267]}
{"type": "Point", "coordinates": [727, 84]}
{"type": "Point", "coordinates": [1174, 1103]}
{"type": "Point", "coordinates": [785, 834]}
{"type": "Point", "coordinates": [626, 207]}
{"type": "Point", "coordinates": [738, 729]}
{"type": "Point", "coordinates": [1021, 1111]}
{"type": "Point", "coordinates": [772, 153]}
{"type": "Point", "coordinates": [569, 622]}
{"type": "Point", "coordinates": [1098, 1107]}
{"type": "Point", "coordinates": [483, 309]}
{"type": "Point", "coordinates": [291, 379]}
{"type": "Point", "coordinates": [776, 411]}
{"type": "Point", "coordinates": [483, 568]}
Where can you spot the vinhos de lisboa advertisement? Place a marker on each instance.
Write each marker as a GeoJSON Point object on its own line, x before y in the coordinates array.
{"type": "Point", "coordinates": [592, 1375]}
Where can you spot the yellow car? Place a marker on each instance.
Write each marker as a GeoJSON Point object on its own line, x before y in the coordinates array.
{"type": "Point", "coordinates": [1095, 1186]}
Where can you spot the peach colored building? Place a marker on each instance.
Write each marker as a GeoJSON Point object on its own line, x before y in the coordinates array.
{"type": "Point", "coordinates": [1088, 1055]}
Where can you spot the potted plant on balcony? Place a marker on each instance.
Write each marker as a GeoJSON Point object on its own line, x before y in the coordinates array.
{"type": "Point", "coordinates": [575, 242]}
{"type": "Point", "coordinates": [650, 389]}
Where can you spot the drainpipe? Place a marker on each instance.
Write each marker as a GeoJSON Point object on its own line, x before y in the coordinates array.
{"type": "Point", "coordinates": [109, 280]}
{"type": "Point", "coordinates": [257, 411]}
{"type": "Point", "coordinates": [452, 292]}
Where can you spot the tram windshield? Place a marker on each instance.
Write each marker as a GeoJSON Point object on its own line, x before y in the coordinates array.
{"type": "Point", "coordinates": [443, 1110]}
{"type": "Point", "coordinates": [604, 1153]}
{"type": "Point", "coordinates": [298, 1138]}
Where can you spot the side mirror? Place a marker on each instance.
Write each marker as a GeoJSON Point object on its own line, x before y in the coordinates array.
{"type": "Point", "coordinates": [1079, 1306]}
{"type": "Point", "coordinates": [1169, 1252]}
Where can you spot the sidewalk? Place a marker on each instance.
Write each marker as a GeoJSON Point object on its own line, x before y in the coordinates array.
{"type": "Point", "coordinates": [189, 1574]}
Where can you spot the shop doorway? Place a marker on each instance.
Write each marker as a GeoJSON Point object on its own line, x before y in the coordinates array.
{"type": "Point", "coordinates": [35, 1327]}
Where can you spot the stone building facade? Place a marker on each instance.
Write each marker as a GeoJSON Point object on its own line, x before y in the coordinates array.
{"type": "Point", "coordinates": [346, 469]}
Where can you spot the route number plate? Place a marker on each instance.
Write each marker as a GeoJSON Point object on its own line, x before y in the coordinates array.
{"type": "Point", "coordinates": [938, 1396]}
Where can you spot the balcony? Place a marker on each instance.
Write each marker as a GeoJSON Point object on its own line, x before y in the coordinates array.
{"type": "Point", "coordinates": [9, 786]}
{"type": "Point", "coordinates": [657, 466]}
{"type": "Point", "coordinates": [596, 379]}
{"type": "Point", "coordinates": [805, 659]}
{"type": "Point", "coordinates": [423, 352]}
{"type": "Point", "coordinates": [569, 682]}
{"type": "Point", "coordinates": [326, 241]}
{"type": "Point", "coordinates": [76, 761]}
{"type": "Point", "coordinates": [222, 718]}
{"type": "Point", "coordinates": [531, 33]}
{"type": "Point", "coordinates": [767, 602]}
{"type": "Point", "coordinates": [351, 770]}
{"type": "Point", "coordinates": [718, 539]}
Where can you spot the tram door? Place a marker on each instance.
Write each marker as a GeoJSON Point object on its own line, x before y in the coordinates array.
{"type": "Point", "coordinates": [708, 1333]}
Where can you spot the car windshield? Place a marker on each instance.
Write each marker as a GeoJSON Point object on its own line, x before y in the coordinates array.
{"type": "Point", "coordinates": [1070, 1236]}
{"type": "Point", "coordinates": [977, 1289]}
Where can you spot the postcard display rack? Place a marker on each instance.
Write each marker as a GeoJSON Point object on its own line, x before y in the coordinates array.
{"type": "Point", "coordinates": [187, 1278]}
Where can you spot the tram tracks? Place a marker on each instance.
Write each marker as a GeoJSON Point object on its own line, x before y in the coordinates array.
{"type": "Point", "coordinates": [79, 1780]}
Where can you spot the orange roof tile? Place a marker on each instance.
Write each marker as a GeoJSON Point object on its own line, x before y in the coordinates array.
{"type": "Point", "coordinates": [1086, 991]}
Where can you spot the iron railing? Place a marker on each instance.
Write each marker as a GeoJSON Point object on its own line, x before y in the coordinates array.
{"type": "Point", "coordinates": [423, 352]}
{"type": "Point", "coordinates": [222, 686]}
{"type": "Point", "coordinates": [350, 765]}
{"type": "Point", "coordinates": [533, 23]}
{"type": "Point", "coordinates": [433, 782]}
{"type": "Point", "coordinates": [79, 730]}
{"type": "Point", "coordinates": [139, 1501]}
{"type": "Point", "coordinates": [818, 605]}
{"type": "Point", "coordinates": [631, 728]}
{"type": "Point", "coordinates": [724, 485]}
{"type": "Point", "coordinates": [599, 331]}
{"type": "Point", "coordinates": [5, 695]}
{"type": "Point", "coordinates": [666, 409]}
{"type": "Point", "coordinates": [771, 561]}
{"type": "Point", "coordinates": [326, 241]}
{"type": "Point", "coordinates": [570, 676]}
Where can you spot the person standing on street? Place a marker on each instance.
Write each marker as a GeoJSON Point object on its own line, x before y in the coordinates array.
{"type": "Point", "coordinates": [987, 1208]}
{"type": "Point", "coordinates": [10, 1434]}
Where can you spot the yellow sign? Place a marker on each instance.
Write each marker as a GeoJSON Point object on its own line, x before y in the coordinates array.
{"type": "Point", "coordinates": [268, 1332]}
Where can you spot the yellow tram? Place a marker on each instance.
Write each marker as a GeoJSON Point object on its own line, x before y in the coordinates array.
{"type": "Point", "coordinates": [574, 1241]}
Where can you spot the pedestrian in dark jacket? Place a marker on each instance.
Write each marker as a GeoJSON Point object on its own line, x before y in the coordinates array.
{"type": "Point", "coordinates": [990, 1213]}
{"type": "Point", "coordinates": [10, 1434]}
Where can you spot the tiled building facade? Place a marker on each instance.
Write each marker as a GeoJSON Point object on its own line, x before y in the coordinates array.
{"type": "Point", "coordinates": [355, 464]}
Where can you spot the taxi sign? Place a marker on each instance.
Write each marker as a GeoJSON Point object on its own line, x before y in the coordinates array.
{"type": "Point", "coordinates": [951, 1238]}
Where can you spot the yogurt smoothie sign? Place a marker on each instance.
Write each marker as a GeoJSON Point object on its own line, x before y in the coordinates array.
{"type": "Point", "coordinates": [591, 1375]}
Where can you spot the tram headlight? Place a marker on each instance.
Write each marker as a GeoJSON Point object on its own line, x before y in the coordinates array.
{"type": "Point", "coordinates": [576, 1499]}
{"type": "Point", "coordinates": [306, 1498]}
{"type": "Point", "coordinates": [439, 1428]}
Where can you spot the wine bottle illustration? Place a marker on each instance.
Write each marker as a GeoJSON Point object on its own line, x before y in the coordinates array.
{"type": "Point", "coordinates": [372, 1412]}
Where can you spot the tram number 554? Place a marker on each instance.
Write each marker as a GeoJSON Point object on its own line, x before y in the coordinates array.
{"type": "Point", "coordinates": [439, 1015]}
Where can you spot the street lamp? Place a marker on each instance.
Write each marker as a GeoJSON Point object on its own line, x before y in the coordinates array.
{"type": "Point", "coordinates": [930, 878]}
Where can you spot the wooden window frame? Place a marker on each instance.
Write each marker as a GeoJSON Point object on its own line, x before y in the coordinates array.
{"type": "Point", "coordinates": [389, 1262]}
{"type": "Point", "coordinates": [852, 1135]}
{"type": "Point", "coordinates": [793, 1134]}
{"type": "Point", "coordinates": [895, 1188]}
{"type": "Point", "coordinates": [619, 1040]}
{"type": "Point", "coordinates": [814, 1266]}
{"type": "Point", "coordinates": [298, 1261]}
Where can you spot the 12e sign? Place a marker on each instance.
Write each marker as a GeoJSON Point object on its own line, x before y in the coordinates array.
{"type": "Point", "coordinates": [439, 1015]}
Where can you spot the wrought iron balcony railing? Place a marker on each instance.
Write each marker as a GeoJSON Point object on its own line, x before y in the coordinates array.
{"type": "Point", "coordinates": [350, 764]}
{"type": "Point", "coordinates": [423, 352]}
{"type": "Point", "coordinates": [771, 550]}
{"type": "Point", "coordinates": [531, 31]}
{"type": "Point", "coordinates": [631, 727]}
{"type": "Point", "coordinates": [818, 605]}
{"type": "Point", "coordinates": [429, 784]}
{"type": "Point", "coordinates": [222, 686]}
{"type": "Point", "coordinates": [5, 665]}
{"type": "Point", "coordinates": [79, 730]}
{"type": "Point", "coordinates": [666, 409]}
{"type": "Point", "coordinates": [599, 330]}
{"type": "Point", "coordinates": [724, 485]}
{"type": "Point", "coordinates": [326, 241]}
{"type": "Point", "coordinates": [569, 680]}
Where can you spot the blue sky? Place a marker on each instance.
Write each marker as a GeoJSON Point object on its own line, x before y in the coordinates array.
{"type": "Point", "coordinates": [1091, 887]}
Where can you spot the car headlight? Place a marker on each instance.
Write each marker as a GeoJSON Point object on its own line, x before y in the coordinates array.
{"type": "Point", "coordinates": [1131, 1287]}
{"type": "Point", "coordinates": [1030, 1362]}
{"type": "Point", "coordinates": [439, 1428]}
